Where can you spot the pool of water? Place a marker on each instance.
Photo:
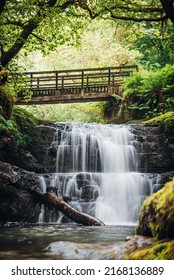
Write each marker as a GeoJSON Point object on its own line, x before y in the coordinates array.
{"type": "Point", "coordinates": [60, 241]}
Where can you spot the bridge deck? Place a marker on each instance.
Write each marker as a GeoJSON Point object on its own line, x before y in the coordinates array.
{"type": "Point", "coordinates": [78, 85]}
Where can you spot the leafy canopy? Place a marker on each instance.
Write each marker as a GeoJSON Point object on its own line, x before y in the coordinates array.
{"type": "Point", "coordinates": [44, 24]}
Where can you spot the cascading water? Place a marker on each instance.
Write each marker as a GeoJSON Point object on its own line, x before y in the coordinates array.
{"type": "Point", "coordinates": [97, 166]}
{"type": "Point", "coordinates": [43, 188]}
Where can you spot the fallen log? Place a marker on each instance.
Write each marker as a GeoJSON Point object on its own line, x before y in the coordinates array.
{"type": "Point", "coordinates": [58, 203]}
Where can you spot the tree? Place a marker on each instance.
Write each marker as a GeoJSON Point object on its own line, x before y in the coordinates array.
{"type": "Point", "coordinates": [47, 23]}
{"type": "Point", "coordinates": [34, 24]}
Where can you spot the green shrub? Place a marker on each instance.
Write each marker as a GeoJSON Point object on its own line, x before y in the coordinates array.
{"type": "Point", "coordinates": [148, 94]}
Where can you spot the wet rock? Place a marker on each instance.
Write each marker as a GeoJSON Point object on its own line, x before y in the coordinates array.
{"type": "Point", "coordinates": [16, 202]}
{"type": "Point", "coordinates": [28, 162]}
{"type": "Point", "coordinates": [82, 251]}
{"type": "Point", "coordinates": [41, 151]}
{"type": "Point", "coordinates": [154, 155]}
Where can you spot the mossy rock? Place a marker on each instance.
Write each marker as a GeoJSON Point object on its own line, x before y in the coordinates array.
{"type": "Point", "coordinates": [6, 103]}
{"type": "Point", "coordinates": [157, 251]}
{"type": "Point", "coordinates": [25, 120]}
{"type": "Point", "coordinates": [166, 125]}
{"type": "Point", "coordinates": [157, 214]}
{"type": "Point", "coordinates": [25, 123]}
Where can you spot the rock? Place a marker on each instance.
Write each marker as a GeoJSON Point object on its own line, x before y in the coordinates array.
{"type": "Point", "coordinates": [28, 162]}
{"type": "Point", "coordinates": [16, 202]}
{"type": "Point", "coordinates": [42, 150]}
{"type": "Point", "coordinates": [153, 154]}
{"type": "Point", "coordinates": [82, 251]}
{"type": "Point", "coordinates": [157, 214]}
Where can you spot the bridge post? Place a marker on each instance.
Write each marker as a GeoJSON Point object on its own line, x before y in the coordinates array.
{"type": "Point", "coordinates": [31, 80]}
{"type": "Point", "coordinates": [56, 80]}
{"type": "Point", "coordinates": [82, 90]}
{"type": "Point", "coordinates": [109, 76]}
{"type": "Point", "coordinates": [109, 80]}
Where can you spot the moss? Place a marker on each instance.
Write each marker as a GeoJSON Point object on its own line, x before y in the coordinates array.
{"type": "Point", "coordinates": [6, 103]}
{"type": "Point", "coordinates": [3, 76]}
{"type": "Point", "coordinates": [159, 120]}
{"type": "Point", "coordinates": [166, 125]}
{"type": "Point", "coordinates": [157, 214]}
{"type": "Point", "coordinates": [25, 123]}
{"type": "Point", "coordinates": [158, 251]}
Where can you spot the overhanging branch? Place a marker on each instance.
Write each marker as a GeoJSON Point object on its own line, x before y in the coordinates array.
{"type": "Point", "coordinates": [37, 37]}
{"type": "Point", "coordinates": [136, 19]}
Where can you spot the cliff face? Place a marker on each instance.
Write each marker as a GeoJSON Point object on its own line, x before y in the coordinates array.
{"type": "Point", "coordinates": [154, 155]}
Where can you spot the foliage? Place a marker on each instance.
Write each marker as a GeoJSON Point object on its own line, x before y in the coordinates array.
{"type": "Point", "coordinates": [155, 43]}
{"type": "Point", "coordinates": [148, 94]}
{"type": "Point", "coordinates": [20, 127]}
{"type": "Point", "coordinates": [157, 214]}
{"type": "Point", "coordinates": [100, 47]}
{"type": "Point", "coordinates": [37, 25]}
{"type": "Point", "coordinates": [25, 123]}
{"type": "Point", "coordinates": [111, 108]}
{"type": "Point", "coordinates": [83, 112]}
{"type": "Point", "coordinates": [31, 24]}
{"type": "Point", "coordinates": [158, 251]}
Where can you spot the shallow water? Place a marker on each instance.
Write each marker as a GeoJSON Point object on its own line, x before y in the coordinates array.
{"type": "Point", "coordinates": [60, 241]}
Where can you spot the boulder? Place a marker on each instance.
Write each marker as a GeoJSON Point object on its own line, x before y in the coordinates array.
{"type": "Point", "coordinates": [157, 214]}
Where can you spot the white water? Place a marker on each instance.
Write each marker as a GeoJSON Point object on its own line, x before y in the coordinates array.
{"type": "Point", "coordinates": [97, 166]}
{"type": "Point", "coordinates": [43, 189]}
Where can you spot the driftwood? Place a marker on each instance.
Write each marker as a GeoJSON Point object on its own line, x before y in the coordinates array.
{"type": "Point", "coordinates": [57, 202]}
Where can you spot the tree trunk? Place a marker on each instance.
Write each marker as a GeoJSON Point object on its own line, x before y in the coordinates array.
{"type": "Point", "coordinates": [168, 7]}
{"type": "Point", "coordinates": [53, 200]}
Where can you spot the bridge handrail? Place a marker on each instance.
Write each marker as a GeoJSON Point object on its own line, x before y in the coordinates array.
{"type": "Point", "coordinates": [135, 67]}
{"type": "Point", "coordinates": [59, 79]}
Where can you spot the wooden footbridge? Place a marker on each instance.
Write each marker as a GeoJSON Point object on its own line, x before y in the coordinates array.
{"type": "Point", "coordinates": [72, 86]}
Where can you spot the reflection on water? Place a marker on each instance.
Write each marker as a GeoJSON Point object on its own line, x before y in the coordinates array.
{"type": "Point", "coordinates": [58, 241]}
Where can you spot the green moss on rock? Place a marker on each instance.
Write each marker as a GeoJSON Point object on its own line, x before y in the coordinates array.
{"type": "Point", "coordinates": [6, 103]}
{"type": "Point", "coordinates": [25, 123]}
{"type": "Point", "coordinates": [157, 214]}
{"type": "Point", "coordinates": [166, 125]}
{"type": "Point", "coordinates": [158, 251]}
{"type": "Point", "coordinates": [20, 127]}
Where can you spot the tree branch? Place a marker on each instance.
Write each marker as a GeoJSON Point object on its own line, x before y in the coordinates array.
{"type": "Point", "coordinates": [67, 4]}
{"type": "Point", "coordinates": [39, 38]}
{"type": "Point", "coordinates": [114, 16]}
{"type": "Point", "coordinates": [27, 29]}
{"type": "Point", "coordinates": [91, 13]}
{"type": "Point", "coordinates": [1, 49]}
{"type": "Point", "coordinates": [26, 32]}
{"type": "Point", "coordinates": [142, 9]}
{"type": "Point", "coordinates": [2, 4]}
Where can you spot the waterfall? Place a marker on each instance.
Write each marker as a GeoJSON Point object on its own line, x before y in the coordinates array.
{"type": "Point", "coordinates": [97, 166]}
{"type": "Point", "coordinates": [43, 189]}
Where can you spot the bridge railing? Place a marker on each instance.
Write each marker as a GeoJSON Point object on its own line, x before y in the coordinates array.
{"type": "Point", "coordinates": [76, 80]}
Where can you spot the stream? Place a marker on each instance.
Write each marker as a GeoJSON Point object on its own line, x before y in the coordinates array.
{"type": "Point", "coordinates": [60, 241]}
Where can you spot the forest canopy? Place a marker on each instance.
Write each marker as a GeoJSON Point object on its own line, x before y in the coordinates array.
{"type": "Point", "coordinates": [31, 24]}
